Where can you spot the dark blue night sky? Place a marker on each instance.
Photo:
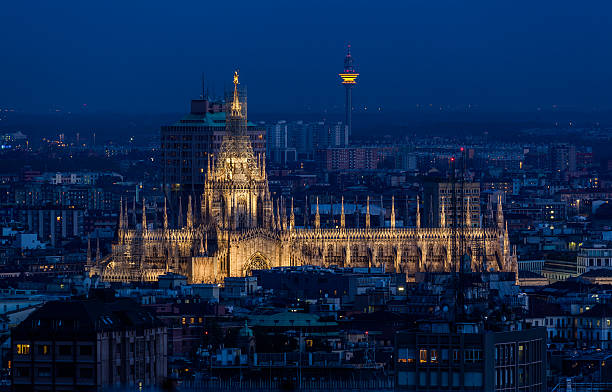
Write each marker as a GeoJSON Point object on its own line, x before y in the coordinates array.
{"type": "Point", "coordinates": [147, 56]}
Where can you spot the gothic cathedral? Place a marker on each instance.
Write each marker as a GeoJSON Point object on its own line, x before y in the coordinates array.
{"type": "Point", "coordinates": [240, 228]}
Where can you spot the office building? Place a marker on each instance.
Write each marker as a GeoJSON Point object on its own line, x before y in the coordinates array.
{"type": "Point", "coordinates": [439, 209]}
{"type": "Point", "coordinates": [188, 144]}
{"type": "Point", "coordinates": [466, 356]}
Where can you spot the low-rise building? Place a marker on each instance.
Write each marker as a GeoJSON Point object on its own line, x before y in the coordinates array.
{"type": "Point", "coordinates": [88, 345]}
{"type": "Point", "coordinates": [594, 255]}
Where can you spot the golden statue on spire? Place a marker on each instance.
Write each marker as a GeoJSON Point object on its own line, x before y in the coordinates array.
{"type": "Point", "coordinates": [236, 110]}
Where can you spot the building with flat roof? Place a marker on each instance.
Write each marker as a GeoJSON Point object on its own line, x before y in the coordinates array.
{"type": "Point", "coordinates": [439, 209]}
{"type": "Point", "coordinates": [594, 255]}
{"type": "Point", "coordinates": [460, 356]}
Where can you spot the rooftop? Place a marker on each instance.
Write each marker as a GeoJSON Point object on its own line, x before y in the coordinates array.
{"type": "Point", "coordinates": [84, 317]}
{"type": "Point", "coordinates": [204, 119]}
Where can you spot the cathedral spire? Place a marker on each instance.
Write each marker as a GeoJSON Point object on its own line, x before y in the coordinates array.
{"type": "Point", "coordinates": [468, 213]}
{"type": "Point", "coordinates": [418, 212]}
{"type": "Point", "coordinates": [208, 166]}
{"type": "Point", "coordinates": [292, 217]}
{"type": "Point", "coordinates": [317, 216]}
{"type": "Point", "coordinates": [506, 243]}
{"type": "Point", "coordinates": [367, 217]}
{"type": "Point", "coordinates": [236, 109]}
{"type": "Point", "coordinates": [284, 213]}
{"type": "Point", "coordinates": [144, 216]}
{"type": "Point", "coordinates": [189, 214]}
{"type": "Point", "coordinates": [121, 214]}
{"type": "Point", "coordinates": [500, 213]}
{"type": "Point", "coordinates": [126, 223]}
{"type": "Point", "coordinates": [443, 216]}
{"type": "Point", "coordinates": [165, 215]}
{"type": "Point", "coordinates": [263, 166]}
{"type": "Point", "coordinates": [393, 212]}
{"type": "Point", "coordinates": [342, 217]}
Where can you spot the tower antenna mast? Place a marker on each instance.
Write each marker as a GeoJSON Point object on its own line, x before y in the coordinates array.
{"type": "Point", "coordinates": [349, 79]}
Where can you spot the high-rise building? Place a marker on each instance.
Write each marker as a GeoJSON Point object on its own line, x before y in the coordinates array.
{"type": "Point", "coordinates": [439, 209]}
{"type": "Point", "coordinates": [188, 144]}
{"type": "Point", "coordinates": [349, 79]}
{"type": "Point", "coordinates": [461, 356]}
{"type": "Point", "coordinates": [280, 150]}
{"type": "Point", "coordinates": [562, 158]}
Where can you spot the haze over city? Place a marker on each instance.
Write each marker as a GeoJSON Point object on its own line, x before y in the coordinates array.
{"type": "Point", "coordinates": [149, 56]}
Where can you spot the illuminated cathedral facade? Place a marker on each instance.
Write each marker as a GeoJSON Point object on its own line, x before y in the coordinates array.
{"type": "Point", "coordinates": [241, 228]}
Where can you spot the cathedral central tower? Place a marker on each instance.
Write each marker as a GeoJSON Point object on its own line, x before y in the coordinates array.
{"type": "Point", "coordinates": [236, 194]}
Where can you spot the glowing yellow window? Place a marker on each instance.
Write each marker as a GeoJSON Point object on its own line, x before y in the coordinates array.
{"type": "Point", "coordinates": [423, 356]}
{"type": "Point", "coordinates": [23, 349]}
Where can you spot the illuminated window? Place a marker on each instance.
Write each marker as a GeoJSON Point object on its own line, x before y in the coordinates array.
{"type": "Point", "coordinates": [23, 349]}
{"type": "Point", "coordinates": [43, 349]}
{"type": "Point", "coordinates": [434, 356]}
{"type": "Point", "coordinates": [423, 356]}
{"type": "Point", "coordinates": [405, 355]}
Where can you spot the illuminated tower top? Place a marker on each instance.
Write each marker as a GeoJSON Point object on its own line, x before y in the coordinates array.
{"type": "Point", "coordinates": [235, 110]}
{"type": "Point", "coordinates": [349, 74]}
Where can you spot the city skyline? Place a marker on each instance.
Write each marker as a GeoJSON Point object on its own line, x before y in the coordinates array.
{"type": "Point", "coordinates": [418, 198]}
